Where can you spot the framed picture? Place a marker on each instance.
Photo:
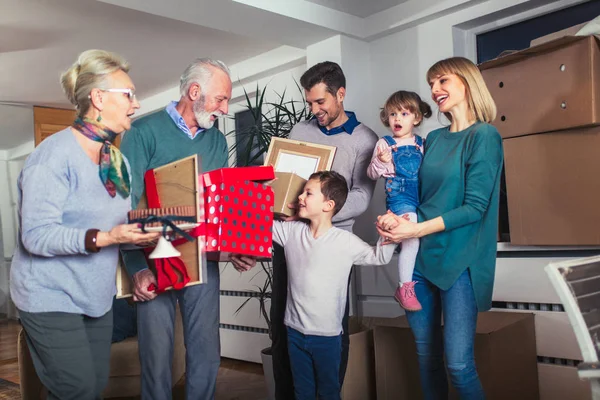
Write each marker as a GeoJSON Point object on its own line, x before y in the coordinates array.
{"type": "Point", "coordinates": [177, 185]}
{"type": "Point", "coordinates": [300, 158]}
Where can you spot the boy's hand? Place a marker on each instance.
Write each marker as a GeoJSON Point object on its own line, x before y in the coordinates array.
{"type": "Point", "coordinates": [384, 155]}
{"type": "Point", "coordinates": [294, 217]}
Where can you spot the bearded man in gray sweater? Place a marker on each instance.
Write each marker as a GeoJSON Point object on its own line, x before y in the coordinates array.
{"type": "Point", "coordinates": [325, 89]}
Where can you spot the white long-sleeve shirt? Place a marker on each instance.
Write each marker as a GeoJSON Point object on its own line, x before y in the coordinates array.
{"type": "Point", "coordinates": [318, 271]}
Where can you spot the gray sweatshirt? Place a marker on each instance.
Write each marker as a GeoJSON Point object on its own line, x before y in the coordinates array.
{"type": "Point", "coordinates": [352, 159]}
{"type": "Point", "coordinates": [318, 271]}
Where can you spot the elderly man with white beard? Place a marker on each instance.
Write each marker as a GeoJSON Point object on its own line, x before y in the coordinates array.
{"type": "Point", "coordinates": [182, 129]}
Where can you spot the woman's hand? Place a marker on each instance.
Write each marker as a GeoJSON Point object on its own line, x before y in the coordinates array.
{"type": "Point", "coordinates": [394, 229]}
{"type": "Point", "coordinates": [126, 233]}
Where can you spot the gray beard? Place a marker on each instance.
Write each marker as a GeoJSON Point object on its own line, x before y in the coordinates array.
{"type": "Point", "coordinates": [202, 116]}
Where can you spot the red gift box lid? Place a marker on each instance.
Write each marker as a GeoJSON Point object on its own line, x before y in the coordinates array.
{"type": "Point", "coordinates": [265, 173]}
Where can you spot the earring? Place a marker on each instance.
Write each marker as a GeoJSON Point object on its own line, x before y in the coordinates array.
{"type": "Point", "coordinates": [99, 118]}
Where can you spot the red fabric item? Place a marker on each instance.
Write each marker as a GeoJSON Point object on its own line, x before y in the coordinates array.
{"type": "Point", "coordinates": [168, 270]}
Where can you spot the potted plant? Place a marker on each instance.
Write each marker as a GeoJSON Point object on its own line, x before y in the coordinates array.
{"type": "Point", "coordinates": [268, 119]}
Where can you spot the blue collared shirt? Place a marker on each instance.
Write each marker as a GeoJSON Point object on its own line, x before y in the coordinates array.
{"type": "Point", "coordinates": [347, 126]}
{"type": "Point", "coordinates": [178, 119]}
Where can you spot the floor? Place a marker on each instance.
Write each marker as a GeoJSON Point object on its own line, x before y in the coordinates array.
{"type": "Point", "coordinates": [237, 380]}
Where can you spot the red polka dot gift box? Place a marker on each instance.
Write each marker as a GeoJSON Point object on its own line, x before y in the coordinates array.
{"type": "Point", "coordinates": [238, 210]}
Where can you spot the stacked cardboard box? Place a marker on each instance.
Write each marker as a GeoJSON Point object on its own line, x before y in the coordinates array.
{"type": "Point", "coordinates": [505, 354]}
{"type": "Point", "coordinates": [548, 99]}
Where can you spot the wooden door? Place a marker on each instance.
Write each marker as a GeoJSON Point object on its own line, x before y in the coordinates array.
{"type": "Point", "coordinates": [48, 121]}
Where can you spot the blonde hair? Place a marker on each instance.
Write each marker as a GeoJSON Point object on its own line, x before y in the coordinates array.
{"type": "Point", "coordinates": [480, 101]}
{"type": "Point", "coordinates": [90, 71]}
{"type": "Point", "coordinates": [409, 101]}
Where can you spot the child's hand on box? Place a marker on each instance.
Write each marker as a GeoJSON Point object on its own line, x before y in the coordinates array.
{"type": "Point", "coordinates": [294, 217]}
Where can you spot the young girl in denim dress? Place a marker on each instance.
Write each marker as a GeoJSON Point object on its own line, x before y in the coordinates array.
{"type": "Point", "coordinates": [398, 158]}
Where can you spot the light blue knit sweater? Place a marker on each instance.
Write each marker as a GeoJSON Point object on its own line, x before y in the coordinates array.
{"type": "Point", "coordinates": [60, 198]}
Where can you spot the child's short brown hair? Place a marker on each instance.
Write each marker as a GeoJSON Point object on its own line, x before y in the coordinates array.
{"type": "Point", "coordinates": [333, 187]}
{"type": "Point", "coordinates": [409, 101]}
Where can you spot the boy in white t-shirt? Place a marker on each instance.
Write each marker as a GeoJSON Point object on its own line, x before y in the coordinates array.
{"type": "Point", "coordinates": [319, 258]}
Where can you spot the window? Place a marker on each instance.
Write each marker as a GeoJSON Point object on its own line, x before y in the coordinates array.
{"type": "Point", "coordinates": [518, 36]}
{"type": "Point", "coordinates": [244, 122]}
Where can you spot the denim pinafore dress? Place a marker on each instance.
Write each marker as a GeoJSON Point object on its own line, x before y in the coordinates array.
{"type": "Point", "coordinates": [402, 190]}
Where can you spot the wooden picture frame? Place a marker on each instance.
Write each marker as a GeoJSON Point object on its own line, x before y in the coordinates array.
{"type": "Point", "coordinates": [301, 158]}
{"type": "Point", "coordinates": [177, 184]}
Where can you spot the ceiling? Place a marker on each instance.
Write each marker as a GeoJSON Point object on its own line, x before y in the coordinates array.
{"type": "Point", "coordinates": [39, 39]}
{"type": "Point", "coordinates": [358, 8]}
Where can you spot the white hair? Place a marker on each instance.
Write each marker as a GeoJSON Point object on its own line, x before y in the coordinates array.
{"type": "Point", "coordinates": [200, 71]}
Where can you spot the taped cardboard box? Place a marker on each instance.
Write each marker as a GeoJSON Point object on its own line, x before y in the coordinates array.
{"type": "Point", "coordinates": [287, 186]}
{"type": "Point", "coordinates": [553, 187]}
{"type": "Point", "coordinates": [546, 88]}
{"type": "Point", "coordinates": [505, 354]}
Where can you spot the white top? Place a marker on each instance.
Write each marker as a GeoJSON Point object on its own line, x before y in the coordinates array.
{"type": "Point", "coordinates": [318, 271]}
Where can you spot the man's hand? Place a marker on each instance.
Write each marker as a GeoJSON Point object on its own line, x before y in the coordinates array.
{"type": "Point", "coordinates": [141, 281]}
{"type": "Point", "coordinates": [242, 263]}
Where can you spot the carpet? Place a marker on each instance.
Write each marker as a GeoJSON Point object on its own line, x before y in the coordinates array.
{"type": "Point", "coordinates": [9, 390]}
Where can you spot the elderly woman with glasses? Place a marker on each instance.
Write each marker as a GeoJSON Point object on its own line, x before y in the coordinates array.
{"type": "Point", "coordinates": [73, 204]}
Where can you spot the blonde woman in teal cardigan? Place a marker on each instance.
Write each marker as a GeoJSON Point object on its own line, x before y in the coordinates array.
{"type": "Point", "coordinates": [458, 221]}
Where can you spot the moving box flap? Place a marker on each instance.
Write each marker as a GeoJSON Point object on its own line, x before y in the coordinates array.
{"type": "Point", "coordinates": [543, 48]}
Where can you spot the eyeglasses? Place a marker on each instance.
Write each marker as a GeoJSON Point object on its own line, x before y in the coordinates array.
{"type": "Point", "coordinates": [129, 92]}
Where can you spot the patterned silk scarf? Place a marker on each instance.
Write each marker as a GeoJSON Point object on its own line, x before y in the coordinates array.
{"type": "Point", "coordinates": [113, 171]}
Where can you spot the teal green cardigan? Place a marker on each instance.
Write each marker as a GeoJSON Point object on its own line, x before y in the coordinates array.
{"type": "Point", "coordinates": [460, 181]}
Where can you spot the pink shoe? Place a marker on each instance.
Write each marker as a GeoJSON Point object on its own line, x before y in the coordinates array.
{"type": "Point", "coordinates": [405, 295]}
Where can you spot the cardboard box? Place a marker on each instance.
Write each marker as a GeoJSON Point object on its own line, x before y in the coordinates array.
{"type": "Point", "coordinates": [294, 161]}
{"type": "Point", "coordinates": [505, 353]}
{"type": "Point", "coordinates": [557, 35]}
{"type": "Point", "coordinates": [553, 187]}
{"type": "Point", "coordinates": [287, 186]}
{"type": "Point", "coordinates": [546, 88]}
{"type": "Point", "coordinates": [239, 212]}
{"type": "Point", "coordinates": [359, 383]}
